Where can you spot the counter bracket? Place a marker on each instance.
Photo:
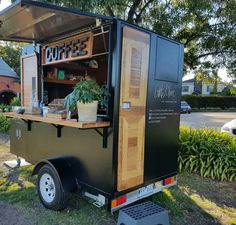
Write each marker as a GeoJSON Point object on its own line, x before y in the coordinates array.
{"type": "Point", "coordinates": [29, 124]}
{"type": "Point", "coordinates": [59, 128]}
{"type": "Point", "coordinates": [105, 134]}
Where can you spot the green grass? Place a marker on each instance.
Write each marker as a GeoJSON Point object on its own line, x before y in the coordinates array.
{"type": "Point", "coordinates": [195, 201]}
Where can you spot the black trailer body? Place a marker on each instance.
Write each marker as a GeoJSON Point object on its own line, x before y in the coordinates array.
{"type": "Point", "coordinates": [136, 155]}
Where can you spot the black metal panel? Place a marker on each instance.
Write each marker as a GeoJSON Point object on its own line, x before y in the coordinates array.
{"type": "Point", "coordinates": [167, 54]}
{"type": "Point", "coordinates": [163, 111]}
{"type": "Point", "coordinates": [36, 21]}
{"type": "Point", "coordinates": [92, 164]}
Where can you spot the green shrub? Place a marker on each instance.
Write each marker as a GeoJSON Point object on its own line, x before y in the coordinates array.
{"type": "Point", "coordinates": [208, 152]}
{"type": "Point", "coordinates": [4, 124]}
{"type": "Point", "coordinates": [210, 101]}
{"type": "Point", "coordinates": [15, 102]}
{"type": "Point", "coordinates": [5, 108]}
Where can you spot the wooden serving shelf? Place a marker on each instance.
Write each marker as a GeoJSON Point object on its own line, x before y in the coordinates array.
{"type": "Point", "coordinates": [62, 122]}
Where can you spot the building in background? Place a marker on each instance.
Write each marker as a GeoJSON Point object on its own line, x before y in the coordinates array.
{"type": "Point", "coordinates": [9, 83]}
{"type": "Point", "coordinates": [207, 87]}
{"type": "Point", "coordinates": [200, 87]}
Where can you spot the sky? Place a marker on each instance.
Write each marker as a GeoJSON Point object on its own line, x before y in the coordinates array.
{"type": "Point", "coordinates": [4, 4]}
{"type": "Point", "coordinates": [222, 72]}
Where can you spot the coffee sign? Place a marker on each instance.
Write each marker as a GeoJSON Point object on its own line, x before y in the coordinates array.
{"type": "Point", "coordinates": [75, 48]}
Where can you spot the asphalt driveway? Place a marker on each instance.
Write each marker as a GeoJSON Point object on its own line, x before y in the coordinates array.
{"type": "Point", "coordinates": [207, 119]}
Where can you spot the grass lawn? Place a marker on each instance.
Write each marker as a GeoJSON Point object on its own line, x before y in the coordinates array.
{"type": "Point", "coordinates": [194, 201]}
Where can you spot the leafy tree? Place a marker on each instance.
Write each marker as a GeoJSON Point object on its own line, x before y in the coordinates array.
{"type": "Point", "coordinates": [10, 53]}
{"type": "Point", "coordinates": [206, 28]}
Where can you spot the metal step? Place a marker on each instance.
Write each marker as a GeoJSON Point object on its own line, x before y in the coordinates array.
{"type": "Point", "coordinates": [147, 213]}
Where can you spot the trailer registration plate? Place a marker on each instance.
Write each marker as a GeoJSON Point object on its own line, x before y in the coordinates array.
{"type": "Point", "coordinates": [145, 190]}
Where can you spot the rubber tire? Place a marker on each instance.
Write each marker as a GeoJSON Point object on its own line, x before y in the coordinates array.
{"type": "Point", "coordinates": [61, 196]}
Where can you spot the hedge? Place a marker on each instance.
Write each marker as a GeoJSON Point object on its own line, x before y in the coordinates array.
{"type": "Point", "coordinates": [222, 102]}
{"type": "Point", "coordinates": [208, 152]}
{"type": "Point", "coordinates": [5, 108]}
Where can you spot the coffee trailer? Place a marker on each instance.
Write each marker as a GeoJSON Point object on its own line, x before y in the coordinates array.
{"type": "Point", "coordinates": [131, 151]}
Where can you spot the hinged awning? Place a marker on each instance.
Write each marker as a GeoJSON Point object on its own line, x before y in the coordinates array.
{"type": "Point", "coordinates": [32, 21]}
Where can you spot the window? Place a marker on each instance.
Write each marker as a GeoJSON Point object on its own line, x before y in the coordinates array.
{"type": "Point", "coordinates": [209, 88]}
{"type": "Point", "coordinates": [185, 89]}
{"type": "Point", "coordinates": [168, 60]}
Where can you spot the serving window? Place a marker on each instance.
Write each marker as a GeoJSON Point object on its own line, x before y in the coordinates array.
{"type": "Point", "coordinates": [69, 61]}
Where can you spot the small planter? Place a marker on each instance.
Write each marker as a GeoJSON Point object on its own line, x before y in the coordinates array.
{"type": "Point", "coordinates": [87, 112]}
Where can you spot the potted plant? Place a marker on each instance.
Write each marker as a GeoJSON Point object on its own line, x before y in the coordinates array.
{"type": "Point", "coordinates": [85, 98]}
{"type": "Point", "coordinates": [15, 104]}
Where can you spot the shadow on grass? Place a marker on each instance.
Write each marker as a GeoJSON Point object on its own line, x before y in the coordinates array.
{"type": "Point", "coordinates": [221, 193]}
{"type": "Point", "coordinates": [182, 209]}
{"type": "Point", "coordinates": [19, 187]}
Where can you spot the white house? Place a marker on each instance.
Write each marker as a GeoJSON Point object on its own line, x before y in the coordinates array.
{"type": "Point", "coordinates": [203, 88]}
{"type": "Point", "coordinates": [188, 87]}
{"type": "Point", "coordinates": [207, 88]}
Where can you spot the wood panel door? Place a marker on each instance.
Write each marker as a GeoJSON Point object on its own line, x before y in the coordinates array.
{"type": "Point", "coordinates": [133, 92]}
{"type": "Point", "coordinates": [29, 80]}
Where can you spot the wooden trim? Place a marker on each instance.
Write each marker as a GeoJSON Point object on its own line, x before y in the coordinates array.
{"type": "Point", "coordinates": [22, 79]}
{"type": "Point", "coordinates": [105, 32]}
{"type": "Point", "coordinates": [104, 53]}
{"type": "Point", "coordinates": [34, 73]}
{"type": "Point", "coordinates": [133, 90]}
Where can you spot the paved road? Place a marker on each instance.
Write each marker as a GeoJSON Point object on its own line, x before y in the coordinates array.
{"type": "Point", "coordinates": [210, 119]}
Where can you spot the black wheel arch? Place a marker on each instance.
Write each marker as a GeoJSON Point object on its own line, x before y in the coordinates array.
{"type": "Point", "coordinates": [63, 168]}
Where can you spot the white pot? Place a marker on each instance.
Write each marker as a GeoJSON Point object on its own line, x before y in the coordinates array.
{"type": "Point", "coordinates": [87, 112]}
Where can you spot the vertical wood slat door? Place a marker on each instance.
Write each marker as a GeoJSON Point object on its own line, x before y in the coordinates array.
{"type": "Point", "coordinates": [133, 92]}
{"type": "Point", "coordinates": [29, 79]}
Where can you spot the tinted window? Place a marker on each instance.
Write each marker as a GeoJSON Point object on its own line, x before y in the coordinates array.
{"type": "Point", "coordinates": [167, 60]}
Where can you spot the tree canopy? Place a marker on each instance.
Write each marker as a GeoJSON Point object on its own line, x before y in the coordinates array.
{"type": "Point", "coordinates": [206, 28]}
{"type": "Point", "coordinates": [10, 53]}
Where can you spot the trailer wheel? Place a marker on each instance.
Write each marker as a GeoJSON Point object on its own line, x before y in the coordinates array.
{"type": "Point", "coordinates": [50, 190]}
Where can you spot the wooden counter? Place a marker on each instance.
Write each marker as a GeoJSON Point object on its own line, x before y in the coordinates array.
{"type": "Point", "coordinates": [67, 123]}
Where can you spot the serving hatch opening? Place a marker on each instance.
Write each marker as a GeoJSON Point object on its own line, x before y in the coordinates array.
{"type": "Point", "coordinates": [32, 21]}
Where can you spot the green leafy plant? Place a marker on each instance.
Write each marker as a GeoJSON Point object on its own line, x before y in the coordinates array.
{"type": "Point", "coordinates": [208, 152]}
{"type": "Point", "coordinates": [4, 124]}
{"type": "Point", "coordinates": [15, 102]}
{"type": "Point", "coordinates": [5, 108]}
{"type": "Point", "coordinates": [85, 91]}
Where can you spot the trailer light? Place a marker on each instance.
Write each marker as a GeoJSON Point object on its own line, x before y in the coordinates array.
{"type": "Point", "coordinates": [119, 201]}
{"type": "Point", "coordinates": [168, 181]}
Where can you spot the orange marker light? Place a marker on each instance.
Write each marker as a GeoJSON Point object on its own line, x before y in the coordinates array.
{"type": "Point", "coordinates": [119, 201]}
